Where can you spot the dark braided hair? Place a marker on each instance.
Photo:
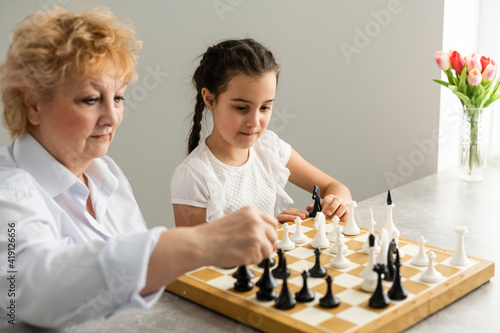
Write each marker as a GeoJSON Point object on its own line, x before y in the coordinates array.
{"type": "Point", "coordinates": [219, 64]}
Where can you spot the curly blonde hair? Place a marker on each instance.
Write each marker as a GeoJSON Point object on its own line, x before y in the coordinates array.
{"type": "Point", "coordinates": [51, 47]}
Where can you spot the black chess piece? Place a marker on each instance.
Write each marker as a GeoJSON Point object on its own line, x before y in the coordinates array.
{"type": "Point", "coordinates": [243, 275]}
{"type": "Point", "coordinates": [398, 290]}
{"type": "Point", "coordinates": [281, 270]}
{"type": "Point", "coordinates": [317, 202]}
{"type": "Point", "coordinates": [389, 272]}
{"type": "Point", "coordinates": [266, 284]}
{"type": "Point", "coordinates": [305, 294]}
{"type": "Point", "coordinates": [317, 270]}
{"type": "Point", "coordinates": [389, 199]}
{"type": "Point", "coordinates": [379, 299]}
{"type": "Point", "coordinates": [272, 262]}
{"type": "Point", "coordinates": [285, 300]}
{"type": "Point", "coordinates": [329, 300]}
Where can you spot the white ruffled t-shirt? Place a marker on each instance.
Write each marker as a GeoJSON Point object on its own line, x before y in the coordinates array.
{"type": "Point", "coordinates": [201, 180]}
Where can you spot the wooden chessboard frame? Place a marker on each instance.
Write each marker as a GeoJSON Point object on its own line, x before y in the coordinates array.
{"type": "Point", "coordinates": [398, 319]}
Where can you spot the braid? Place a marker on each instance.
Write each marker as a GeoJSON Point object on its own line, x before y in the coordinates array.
{"type": "Point", "coordinates": [218, 65]}
{"type": "Point", "coordinates": [194, 136]}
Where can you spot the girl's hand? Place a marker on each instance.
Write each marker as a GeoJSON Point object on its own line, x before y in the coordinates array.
{"type": "Point", "coordinates": [333, 205]}
{"type": "Point", "coordinates": [290, 214]}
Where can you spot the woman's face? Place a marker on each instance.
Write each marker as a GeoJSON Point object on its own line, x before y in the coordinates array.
{"type": "Point", "coordinates": [79, 122]}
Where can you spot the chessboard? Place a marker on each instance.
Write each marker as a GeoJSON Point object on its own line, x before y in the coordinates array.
{"type": "Point", "coordinates": [213, 287]}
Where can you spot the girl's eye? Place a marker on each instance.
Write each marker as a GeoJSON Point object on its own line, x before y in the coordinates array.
{"type": "Point", "coordinates": [265, 108]}
{"type": "Point", "coordinates": [241, 108]}
{"type": "Point", "coordinates": [119, 99]}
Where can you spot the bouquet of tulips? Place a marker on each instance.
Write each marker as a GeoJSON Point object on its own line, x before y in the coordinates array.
{"type": "Point", "coordinates": [474, 84]}
{"type": "Point", "coordinates": [473, 81]}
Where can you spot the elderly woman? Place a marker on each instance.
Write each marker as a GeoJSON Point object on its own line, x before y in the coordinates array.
{"type": "Point", "coordinates": [77, 242]}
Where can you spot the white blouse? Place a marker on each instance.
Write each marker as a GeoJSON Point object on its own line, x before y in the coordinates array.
{"type": "Point", "coordinates": [67, 266]}
{"type": "Point", "coordinates": [201, 180]}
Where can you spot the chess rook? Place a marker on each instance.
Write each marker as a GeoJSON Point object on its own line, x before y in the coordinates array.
{"type": "Point", "coordinates": [351, 228]}
{"type": "Point", "coordinates": [459, 258]}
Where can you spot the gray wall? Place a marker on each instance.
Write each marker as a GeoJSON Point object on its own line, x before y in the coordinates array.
{"type": "Point", "coordinates": [355, 97]}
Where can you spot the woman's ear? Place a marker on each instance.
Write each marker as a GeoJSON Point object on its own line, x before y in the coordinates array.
{"type": "Point", "coordinates": [32, 109]}
{"type": "Point", "coordinates": [208, 98]}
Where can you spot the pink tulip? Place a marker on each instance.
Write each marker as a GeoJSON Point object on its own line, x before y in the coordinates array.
{"type": "Point", "coordinates": [442, 60]}
{"type": "Point", "coordinates": [473, 62]}
{"type": "Point", "coordinates": [457, 62]}
{"type": "Point", "coordinates": [475, 77]}
{"type": "Point", "coordinates": [489, 72]}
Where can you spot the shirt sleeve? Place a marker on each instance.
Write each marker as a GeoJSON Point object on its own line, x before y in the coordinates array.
{"type": "Point", "coordinates": [57, 282]}
{"type": "Point", "coordinates": [280, 149]}
{"type": "Point", "coordinates": [188, 187]}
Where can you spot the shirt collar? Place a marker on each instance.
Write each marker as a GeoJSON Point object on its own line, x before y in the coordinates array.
{"type": "Point", "coordinates": [54, 177]}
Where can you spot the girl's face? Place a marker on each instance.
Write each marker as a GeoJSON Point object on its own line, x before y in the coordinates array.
{"type": "Point", "coordinates": [242, 113]}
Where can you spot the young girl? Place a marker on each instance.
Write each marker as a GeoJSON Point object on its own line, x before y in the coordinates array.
{"type": "Point", "coordinates": [242, 162]}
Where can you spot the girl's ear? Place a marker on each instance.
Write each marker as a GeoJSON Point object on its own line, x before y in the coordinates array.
{"type": "Point", "coordinates": [32, 109]}
{"type": "Point", "coordinates": [208, 98]}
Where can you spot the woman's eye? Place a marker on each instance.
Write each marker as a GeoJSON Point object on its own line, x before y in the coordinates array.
{"type": "Point", "coordinates": [90, 100]}
{"type": "Point", "coordinates": [119, 99]}
{"type": "Point", "coordinates": [265, 108]}
{"type": "Point", "coordinates": [241, 108]}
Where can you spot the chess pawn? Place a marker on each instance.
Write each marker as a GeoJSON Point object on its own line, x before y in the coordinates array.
{"type": "Point", "coordinates": [320, 240]}
{"type": "Point", "coordinates": [329, 300]}
{"type": "Point", "coordinates": [298, 237]}
{"type": "Point", "coordinates": [333, 248]}
{"type": "Point", "coordinates": [340, 261]}
{"type": "Point", "coordinates": [351, 228]}
{"type": "Point", "coordinates": [285, 300]}
{"type": "Point", "coordinates": [383, 240]}
{"type": "Point", "coordinates": [243, 275]}
{"type": "Point", "coordinates": [318, 219]}
{"type": "Point", "coordinates": [305, 294]}
{"type": "Point", "coordinates": [368, 274]}
{"type": "Point", "coordinates": [371, 231]}
{"type": "Point", "coordinates": [332, 236]}
{"type": "Point", "coordinates": [430, 275]}
{"type": "Point", "coordinates": [379, 299]}
{"type": "Point", "coordinates": [395, 236]}
{"type": "Point", "coordinates": [389, 223]}
{"type": "Point", "coordinates": [459, 258]}
{"type": "Point", "coordinates": [397, 290]}
{"type": "Point", "coordinates": [421, 258]}
{"type": "Point", "coordinates": [286, 243]}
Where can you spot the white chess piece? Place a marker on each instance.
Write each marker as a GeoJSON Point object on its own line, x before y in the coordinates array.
{"type": "Point", "coordinates": [332, 236]}
{"type": "Point", "coordinates": [389, 223]}
{"type": "Point", "coordinates": [368, 274]}
{"type": "Point", "coordinates": [421, 258]}
{"type": "Point", "coordinates": [286, 243]}
{"type": "Point", "coordinates": [333, 248]}
{"type": "Point", "coordinates": [318, 219]}
{"type": "Point", "coordinates": [298, 236]}
{"type": "Point", "coordinates": [320, 240]}
{"type": "Point", "coordinates": [459, 258]}
{"type": "Point", "coordinates": [340, 261]}
{"type": "Point", "coordinates": [430, 275]}
{"type": "Point", "coordinates": [383, 240]}
{"type": "Point", "coordinates": [395, 236]}
{"type": "Point", "coordinates": [371, 231]}
{"type": "Point", "coordinates": [351, 228]}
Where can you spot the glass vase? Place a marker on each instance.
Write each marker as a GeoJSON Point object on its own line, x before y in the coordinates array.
{"type": "Point", "coordinates": [473, 143]}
